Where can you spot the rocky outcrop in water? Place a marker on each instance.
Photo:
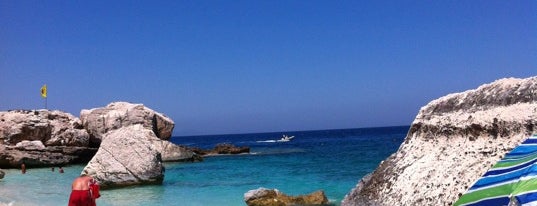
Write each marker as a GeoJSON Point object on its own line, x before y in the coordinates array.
{"type": "Point", "coordinates": [221, 149]}
{"type": "Point", "coordinates": [42, 138]}
{"type": "Point", "coordinates": [171, 152]}
{"type": "Point", "coordinates": [127, 157]}
{"type": "Point", "coordinates": [99, 121]}
{"type": "Point", "coordinates": [273, 197]}
{"type": "Point", "coordinates": [451, 143]}
{"type": "Point", "coordinates": [2, 174]}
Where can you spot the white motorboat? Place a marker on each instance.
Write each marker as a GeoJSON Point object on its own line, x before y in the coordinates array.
{"type": "Point", "coordinates": [286, 138]}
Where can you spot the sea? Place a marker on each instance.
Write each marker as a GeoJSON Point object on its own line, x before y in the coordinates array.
{"type": "Point", "coordinates": [328, 160]}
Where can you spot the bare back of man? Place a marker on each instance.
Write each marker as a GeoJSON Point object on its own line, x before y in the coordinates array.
{"type": "Point", "coordinates": [80, 194]}
{"type": "Point", "coordinates": [81, 183]}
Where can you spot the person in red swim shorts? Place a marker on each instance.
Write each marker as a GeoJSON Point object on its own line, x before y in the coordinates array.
{"type": "Point", "coordinates": [84, 191]}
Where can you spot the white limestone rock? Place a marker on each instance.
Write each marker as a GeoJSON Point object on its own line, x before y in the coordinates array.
{"type": "Point", "coordinates": [42, 138]}
{"type": "Point", "coordinates": [30, 145]}
{"type": "Point", "coordinates": [171, 152]}
{"type": "Point", "coordinates": [99, 121]}
{"type": "Point", "coordinates": [451, 143]}
{"type": "Point", "coordinates": [53, 128]}
{"type": "Point", "coordinates": [127, 157]}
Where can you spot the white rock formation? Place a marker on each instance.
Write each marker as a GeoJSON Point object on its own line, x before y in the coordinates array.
{"type": "Point", "coordinates": [99, 121]}
{"type": "Point", "coordinates": [127, 157]}
{"type": "Point", "coordinates": [42, 138]}
{"type": "Point", "coordinates": [53, 128]}
{"type": "Point", "coordinates": [30, 145]}
{"type": "Point", "coordinates": [451, 143]}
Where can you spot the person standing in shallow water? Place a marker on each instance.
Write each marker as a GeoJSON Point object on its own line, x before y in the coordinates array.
{"type": "Point", "coordinates": [23, 168]}
{"type": "Point", "coordinates": [84, 191]}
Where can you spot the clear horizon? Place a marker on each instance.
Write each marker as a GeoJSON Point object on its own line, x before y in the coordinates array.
{"type": "Point", "coordinates": [239, 67]}
{"type": "Point", "coordinates": [269, 132]}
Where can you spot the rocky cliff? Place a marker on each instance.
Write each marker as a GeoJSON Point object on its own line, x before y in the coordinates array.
{"type": "Point", "coordinates": [451, 143]}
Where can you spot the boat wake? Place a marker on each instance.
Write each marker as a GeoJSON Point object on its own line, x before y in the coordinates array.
{"type": "Point", "coordinates": [285, 138]}
{"type": "Point", "coordinates": [267, 141]}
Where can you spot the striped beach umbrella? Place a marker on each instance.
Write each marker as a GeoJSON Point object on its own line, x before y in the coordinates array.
{"type": "Point", "coordinates": [511, 181]}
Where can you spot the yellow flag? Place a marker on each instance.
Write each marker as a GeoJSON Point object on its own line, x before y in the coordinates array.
{"type": "Point", "coordinates": [44, 91]}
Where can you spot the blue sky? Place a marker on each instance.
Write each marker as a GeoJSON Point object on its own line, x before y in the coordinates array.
{"type": "Point", "coordinates": [220, 67]}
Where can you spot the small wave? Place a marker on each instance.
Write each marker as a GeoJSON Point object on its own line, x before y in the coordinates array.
{"type": "Point", "coordinates": [278, 151]}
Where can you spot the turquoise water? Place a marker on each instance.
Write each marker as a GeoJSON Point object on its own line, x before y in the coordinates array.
{"type": "Point", "coordinates": [331, 160]}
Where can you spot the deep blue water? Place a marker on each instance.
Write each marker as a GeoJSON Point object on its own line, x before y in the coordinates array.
{"type": "Point", "coordinates": [331, 160]}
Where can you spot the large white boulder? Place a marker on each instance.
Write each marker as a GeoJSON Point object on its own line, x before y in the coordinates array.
{"type": "Point", "coordinates": [127, 157]}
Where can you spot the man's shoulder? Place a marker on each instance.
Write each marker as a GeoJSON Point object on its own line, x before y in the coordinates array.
{"type": "Point", "coordinates": [83, 178]}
